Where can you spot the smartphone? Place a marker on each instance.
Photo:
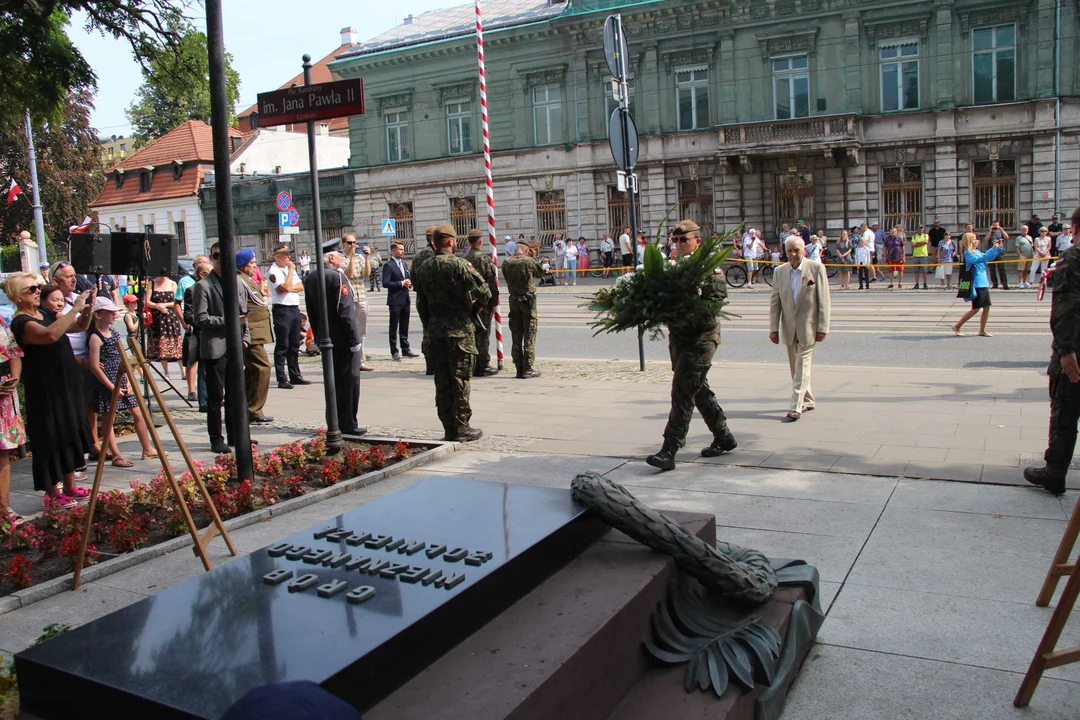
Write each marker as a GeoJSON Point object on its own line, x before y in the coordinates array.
{"type": "Point", "coordinates": [10, 381]}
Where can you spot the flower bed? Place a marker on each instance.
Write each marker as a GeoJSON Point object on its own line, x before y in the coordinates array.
{"type": "Point", "coordinates": [46, 547]}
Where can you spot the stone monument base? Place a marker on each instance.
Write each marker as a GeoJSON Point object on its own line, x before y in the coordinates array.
{"type": "Point", "coordinates": [573, 649]}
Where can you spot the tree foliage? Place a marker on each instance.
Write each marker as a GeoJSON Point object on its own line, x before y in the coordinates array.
{"type": "Point", "coordinates": [176, 88]}
{"type": "Point", "coordinates": [69, 169]}
{"type": "Point", "coordinates": [41, 65]}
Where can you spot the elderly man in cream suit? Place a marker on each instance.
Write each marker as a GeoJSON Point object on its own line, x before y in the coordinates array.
{"type": "Point", "coordinates": [800, 308]}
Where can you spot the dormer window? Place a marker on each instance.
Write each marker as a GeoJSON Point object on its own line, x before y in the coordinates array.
{"type": "Point", "coordinates": [146, 179]}
{"type": "Point", "coordinates": [119, 178]}
{"type": "Point", "coordinates": [177, 170]}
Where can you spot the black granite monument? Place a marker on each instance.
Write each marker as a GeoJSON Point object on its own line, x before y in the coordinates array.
{"type": "Point", "coordinates": [358, 604]}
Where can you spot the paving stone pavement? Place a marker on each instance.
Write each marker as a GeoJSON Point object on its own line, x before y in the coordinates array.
{"type": "Point", "coordinates": [929, 584]}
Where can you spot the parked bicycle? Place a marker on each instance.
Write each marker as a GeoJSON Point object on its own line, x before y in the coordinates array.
{"type": "Point", "coordinates": [737, 275]}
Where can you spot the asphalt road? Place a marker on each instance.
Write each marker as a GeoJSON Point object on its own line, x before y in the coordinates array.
{"type": "Point", "coordinates": [878, 327]}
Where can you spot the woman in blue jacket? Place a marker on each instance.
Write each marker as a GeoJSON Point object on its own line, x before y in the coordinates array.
{"type": "Point", "coordinates": [975, 261]}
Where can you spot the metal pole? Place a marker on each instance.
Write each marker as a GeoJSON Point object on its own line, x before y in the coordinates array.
{"type": "Point", "coordinates": [39, 221]}
{"type": "Point", "coordinates": [235, 396]}
{"type": "Point", "coordinates": [631, 184]}
{"type": "Point", "coordinates": [333, 432]}
{"type": "Point", "coordinates": [497, 314]}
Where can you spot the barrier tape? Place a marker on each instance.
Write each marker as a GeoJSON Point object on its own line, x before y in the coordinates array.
{"type": "Point", "coordinates": [905, 263]}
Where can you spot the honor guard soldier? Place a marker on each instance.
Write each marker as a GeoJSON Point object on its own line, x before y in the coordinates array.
{"type": "Point", "coordinates": [691, 347]}
{"type": "Point", "coordinates": [1064, 370]}
{"type": "Point", "coordinates": [420, 256]}
{"type": "Point", "coordinates": [520, 273]}
{"type": "Point", "coordinates": [344, 331]}
{"type": "Point", "coordinates": [256, 362]}
{"type": "Point", "coordinates": [449, 293]}
{"type": "Point", "coordinates": [483, 264]}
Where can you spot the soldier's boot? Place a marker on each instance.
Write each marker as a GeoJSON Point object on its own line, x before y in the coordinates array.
{"type": "Point", "coordinates": [520, 371]}
{"type": "Point", "coordinates": [1050, 481]}
{"type": "Point", "coordinates": [467, 435]}
{"type": "Point", "coordinates": [720, 446]}
{"type": "Point", "coordinates": [530, 374]}
{"type": "Point", "coordinates": [665, 457]}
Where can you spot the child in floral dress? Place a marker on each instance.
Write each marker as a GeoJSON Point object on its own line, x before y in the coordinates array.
{"type": "Point", "coordinates": [12, 431]}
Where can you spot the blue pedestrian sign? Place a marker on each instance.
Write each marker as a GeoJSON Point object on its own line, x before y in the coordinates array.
{"type": "Point", "coordinates": [294, 217]}
{"type": "Point", "coordinates": [283, 219]}
{"type": "Point", "coordinates": [284, 201]}
{"type": "Point", "coordinates": [389, 227]}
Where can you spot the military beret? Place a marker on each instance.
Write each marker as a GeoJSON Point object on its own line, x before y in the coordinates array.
{"type": "Point", "coordinates": [244, 256]}
{"type": "Point", "coordinates": [429, 231]}
{"type": "Point", "coordinates": [331, 244]}
{"type": "Point", "coordinates": [444, 230]}
{"type": "Point", "coordinates": [476, 234]}
{"type": "Point", "coordinates": [685, 227]}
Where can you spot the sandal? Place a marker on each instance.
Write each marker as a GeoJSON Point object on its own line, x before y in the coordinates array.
{"type": "Point", "coordinates": [15, 518]}
{"type": "Point", "coordinates": [153, 455]}
{"type": "Point", "coordinates": [80, 492]}
{"type": "Point", "coordinates": [985, 334]}
{"type": "Point", "coordinates": [59, 500]}
{"type": "Point", "coordinates": [122, 462]}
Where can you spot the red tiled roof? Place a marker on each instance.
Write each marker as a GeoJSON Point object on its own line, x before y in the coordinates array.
{"type": "Point", "coordinates": [320, 73]}
{"type": "Point", "coordinates": [191, 144]}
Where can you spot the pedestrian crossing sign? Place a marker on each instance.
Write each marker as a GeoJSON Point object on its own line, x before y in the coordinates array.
{"type": "Point", "coordinates": [389, 227]}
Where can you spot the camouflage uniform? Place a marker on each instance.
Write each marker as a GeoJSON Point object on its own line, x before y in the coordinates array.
{"type": "Point", "coordinates": [691, 346]}
{"type": "Point", "coordinates": [448, 293]}
{"type": "Point", "coordinates": [1064, 394]}
{"type": "Point", "coordinates": [419, 257]}
{"type": "Point", "coordinates": [520, 272]}
{"type": "Point", "coordinates": [691, 349]}
{"type": "Point", "coordinates": [482, 263]}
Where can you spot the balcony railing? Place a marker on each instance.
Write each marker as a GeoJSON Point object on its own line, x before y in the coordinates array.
{"type": "Point", "coordinates": [802, 132]}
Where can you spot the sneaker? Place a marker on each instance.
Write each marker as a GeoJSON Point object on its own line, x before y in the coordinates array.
{"type": "Point", "coordinates": [915, 286]}
{"type": "Point", "coordinates": [924, 287]}
{"type": "Point", "coordinates": [192, 397]}
{"type": "Point", "coordinates": [889, 288]}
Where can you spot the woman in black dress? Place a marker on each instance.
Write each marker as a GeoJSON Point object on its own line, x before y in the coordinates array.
{"type": "Point", "coordinates": [55, 416]}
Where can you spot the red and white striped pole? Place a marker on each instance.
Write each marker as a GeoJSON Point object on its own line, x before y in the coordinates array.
{"type": "Point", "coordinates": [497, 316]}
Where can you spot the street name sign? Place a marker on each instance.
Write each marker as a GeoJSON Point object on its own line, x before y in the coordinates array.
{"type": "Point", "coordinates": [340, 98]}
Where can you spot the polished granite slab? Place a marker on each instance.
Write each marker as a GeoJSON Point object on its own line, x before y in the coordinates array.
{"type": "Point", "coordinates": [358, 604]}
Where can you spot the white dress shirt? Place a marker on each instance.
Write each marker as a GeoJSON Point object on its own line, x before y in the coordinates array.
{"type": "Point", "coordinates": [796, 282]}
{"type": "Point", "coordinates": [277, 276]}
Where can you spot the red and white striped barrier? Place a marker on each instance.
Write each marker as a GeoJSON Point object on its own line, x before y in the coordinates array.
{"type": "Point", "coordinates": [487, 173]}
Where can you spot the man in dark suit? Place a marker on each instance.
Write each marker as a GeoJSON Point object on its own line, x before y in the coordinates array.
{"type": "Point", "coordinates": [210, 319]}
{"type": "Point", "coordinates": [344, 331]}
{"type": "Point", "coordinates": [395, 278]}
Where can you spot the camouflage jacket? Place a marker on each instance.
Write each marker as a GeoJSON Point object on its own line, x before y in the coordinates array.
{"type": "Point", "coordinates": [520, 272]}
{"type": "Point", "coordinates": [1065, 308]}
{"type": "Point", "coordinates": [418, 259]}
{"type": "Point", "coordinates": [482, 263]}
{"type": "Point", "coordinates": [449, 292]}
{"type": "Point", "coordinates": [715, 287]}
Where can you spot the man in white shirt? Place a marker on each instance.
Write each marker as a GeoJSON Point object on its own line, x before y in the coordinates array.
{"type": "Point", "coordinates": [305, 264]}
{"type": "Point", "coordinates": [607, 252]}
{"type": "Point", "coordinates": [626, 247]}
{"type": "Point", "coordinates": [559, 245]}
{"type": "Point", "coordinates": [1064, 241]}
{"type": "Point", "coordinates": [871, 240]}
{"type": "Point", "coordinates": [285, 287]}
{"type": "Point", "coordinates": [511, 246]}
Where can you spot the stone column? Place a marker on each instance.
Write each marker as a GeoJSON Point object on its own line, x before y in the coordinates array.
{"type": "Point", "coordinates": [649, 98]}
{"type": "Point", "coordinates": [944, 196]}
{"type": "Point", "coordinates": [852, 97]}
{"type": "Point", "coordinates": [727, 77]}
{"type": "Point", "coordinates": [946, 57]}
{"type": "Point", "coordinates": [1041, 199]}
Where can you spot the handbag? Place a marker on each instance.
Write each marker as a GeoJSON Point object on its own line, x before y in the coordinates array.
{"type": "Point", "coordinates": [965, 279]}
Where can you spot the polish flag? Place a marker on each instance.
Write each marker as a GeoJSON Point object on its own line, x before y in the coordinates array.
{"type": "Point", "coordinates": [14, 191]}
{"type": "Point", "coordinates": [81, 227]}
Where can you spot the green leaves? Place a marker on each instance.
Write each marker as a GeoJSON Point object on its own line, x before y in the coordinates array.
{"type": "Point", "coordinates": [665, 292]}
{"type": "Point", "coordinates": [716, 651]}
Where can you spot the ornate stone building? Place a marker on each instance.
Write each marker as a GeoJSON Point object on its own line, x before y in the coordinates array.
{"type": "Point", "coordinates": [830, 111]}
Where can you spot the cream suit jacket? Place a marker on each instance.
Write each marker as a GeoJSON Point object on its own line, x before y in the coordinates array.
{"type": "Point", "coordinates": [810, 314]}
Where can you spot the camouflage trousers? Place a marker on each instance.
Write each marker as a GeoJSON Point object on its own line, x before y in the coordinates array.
{"type": "Point", "coordinates": [523, 330]}
{"type": "Point", "coordinates": [453, 361]}
{"type": "Point", "coordinates": [425, 349]}
{"type": "Point", "coordinates": [1064, 415]}
{"type": "Point", "coordinates": [691, 361]}
{"type": "Point", "coordinates": [483, 340]}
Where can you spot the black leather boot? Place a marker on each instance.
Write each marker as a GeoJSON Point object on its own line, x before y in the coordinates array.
{"type": "Point", "coordinates": [664, 458]}
{"type": "Point", "coordinates": [720, 446]}
{"type": "Point", "coordinates": [1047, 479]}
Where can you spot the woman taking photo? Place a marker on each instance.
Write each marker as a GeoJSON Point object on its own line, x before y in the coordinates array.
{"type": "Point", "coordinates": [55, 417]}
{"type": "Point", "coordinates": [165, 339]}
{"type": "Point", "coordinates": [975, 261]}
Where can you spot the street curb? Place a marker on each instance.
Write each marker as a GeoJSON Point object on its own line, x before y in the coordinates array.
{"type": "Point", "coordinates": [41, 591]}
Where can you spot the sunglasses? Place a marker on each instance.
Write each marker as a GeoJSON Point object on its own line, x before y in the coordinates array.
{"type": "Point", "coordinates": [348, 242]}
{"type": "Point", "coordinates": [33, 290]}
{"type": "Point", "coordinates": [215, 255]}
{"type": "Point", "coordinates": [686, 238]}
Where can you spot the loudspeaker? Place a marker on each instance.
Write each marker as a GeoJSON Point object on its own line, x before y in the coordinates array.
{"type": "Point", "coordinates": [91, 253]}
{"type": "Point", "coordinates": [153, 254]}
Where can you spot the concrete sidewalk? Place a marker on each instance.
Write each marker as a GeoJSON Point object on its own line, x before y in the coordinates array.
{"type": "Point", "coordinates": [929, 584]}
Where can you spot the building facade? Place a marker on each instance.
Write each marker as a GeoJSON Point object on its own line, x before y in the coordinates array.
{"type": "Point", "coordinates": [115, 149]}
{"type": "Point", "coordinates": [769, 111]}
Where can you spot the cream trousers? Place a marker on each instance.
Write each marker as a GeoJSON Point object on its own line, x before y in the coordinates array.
{"type": "Point", "coordinates": [799, 359]}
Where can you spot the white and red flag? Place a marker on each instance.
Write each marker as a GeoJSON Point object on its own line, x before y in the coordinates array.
{"type": "Point", "coordinates": [14, 191]}
{"type": "Point", "coordinates": [81, 227]}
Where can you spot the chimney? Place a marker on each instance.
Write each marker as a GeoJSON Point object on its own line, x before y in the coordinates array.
{"type": "Point", "coordinates": [348, 36]}
{"type": "Point", "coordinates": [408, 20]}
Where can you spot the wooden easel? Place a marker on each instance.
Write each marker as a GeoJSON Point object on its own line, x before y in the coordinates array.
{"type": "Point", "coordinates": [128, 370]}
{"type": "Point", "coordinates": [1047, 656]}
